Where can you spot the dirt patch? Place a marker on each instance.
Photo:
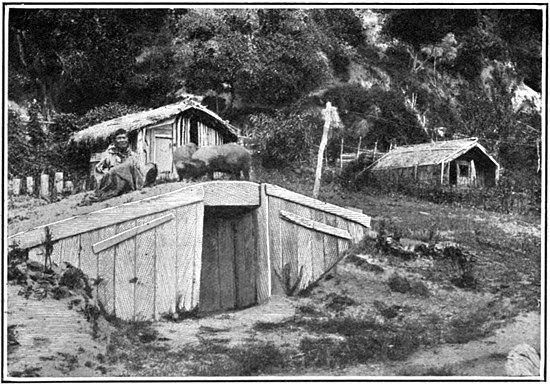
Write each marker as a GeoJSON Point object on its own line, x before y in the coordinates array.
{"type": "Point", "coordinates": [50, 340]}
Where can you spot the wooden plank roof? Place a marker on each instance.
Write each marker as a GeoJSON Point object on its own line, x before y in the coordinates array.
{"type": "Point", "coordinates": [143, 119]}
{"type": "Point", "coordinates": [427, 154]}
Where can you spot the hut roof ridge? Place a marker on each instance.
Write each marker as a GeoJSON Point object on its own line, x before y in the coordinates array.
{"type": "Point", "coordinates": [146, 118]}
{"type": "Point", "coordinates": [426, 153]}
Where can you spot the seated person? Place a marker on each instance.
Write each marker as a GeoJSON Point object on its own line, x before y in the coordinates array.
{"type": "Point", "coordinates": [120, 170]}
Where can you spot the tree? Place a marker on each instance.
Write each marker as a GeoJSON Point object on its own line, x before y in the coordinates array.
{"type": "Point", "coordinates": [266, 57]}
{"type": "Point", "coordinates": [74, 59]}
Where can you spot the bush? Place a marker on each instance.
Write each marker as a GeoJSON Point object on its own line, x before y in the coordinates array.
{"type": "Point", "coordinates": [33, 149]}
{"type": "Point", "coordinates": [284, 139]}
{"type": "Point", "coordinates": [518, 192]}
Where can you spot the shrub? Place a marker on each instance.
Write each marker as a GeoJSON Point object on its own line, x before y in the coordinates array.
{"type": "Point", "coordinates": [518, 192]}
{"type": "Point", "coordinates": [284, 138]}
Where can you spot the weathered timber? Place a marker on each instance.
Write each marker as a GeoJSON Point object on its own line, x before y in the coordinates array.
{"type": "Point", "coordinates": [125, 235]}
{"type": "Point", "coordinates": [315, 225]}
{"type": "Point", "coordinates": [108, 217]}
{"type": "Point", "coordinates": [165, 299]}
{"type": "Point", "coordinates": [275, 191]}
{"type": "Point", "coordinates": [231, 193]}
{"type": "Point", "coordinates": [124, 273]}
{"type": "Point", "coordinates": [263, 276]}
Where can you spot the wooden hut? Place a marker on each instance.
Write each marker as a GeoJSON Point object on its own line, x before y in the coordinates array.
{"type": "Point", "coordinates": [155, 133]}
{"type": "Point", "coordinates": [459, 163]}
{"type": "Point", "coordinates": [213, 246]}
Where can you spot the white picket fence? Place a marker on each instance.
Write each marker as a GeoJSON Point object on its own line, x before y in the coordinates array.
{"type": "Point", "coordinates": [42, 187]}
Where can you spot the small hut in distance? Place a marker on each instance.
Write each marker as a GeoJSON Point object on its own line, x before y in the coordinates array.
{"type": "Point", "coordinates": [461, 163]}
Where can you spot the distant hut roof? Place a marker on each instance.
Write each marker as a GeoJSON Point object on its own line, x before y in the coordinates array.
{"type": "Point", "coordinates": [427, 154]}
{"type": "Point", "coordinates": [151, 117]}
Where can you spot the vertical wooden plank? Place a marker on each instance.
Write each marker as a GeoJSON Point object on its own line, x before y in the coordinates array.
{"type": "Point", "coordinates": [44, 185]}
{"type": "Point", "coordinates": [70, 250]}
{"type": "Point", "coordinates": [317, 248]}
{"type": "Point", "coordinates": [30, 185]}
{"type": "Point", "coordinates": [197, 262]}
{"type": "Point", "coordinates": [210, 279]}
{"type": "Point", "coordinates": [291, 268]}
{"type": "Point", "coordinates": [356, 231]}
{"type": "Point", "coordinates": [304, 248]}
{"type": "Point", "coordinates": [226, 264]}
{"type": "Point", "coordinates": [166, 269]}
{"type": "Point", "coordinates": [251, 253]}
{"type": "Point", "coordinates": [275, 238]}
{"type": "Point", "coordinates": [16, 188]}
{"type": "Point", "coordinates": [59, 182]}
{"type": "Point", "coordinates": [105, 273]}
{"type": "Point", "coordinates": [88, 259]}
{"type": "Point", "coordinates": [185, 244]}
{"type": "Point", "coordinates": [343, 244]}
{"type": "Point", "coordinates": [144, 291]}
{"type": "Point", "coordinates": [57, 254]}
{"type": "Point", "coordinates": [124, 274]}
{"type": "Point", "coordinates": [245, 260]}
{"type": "Point", "coordinates": [330, 244]}
{"type": "Point", "coordinates": [263, 276]}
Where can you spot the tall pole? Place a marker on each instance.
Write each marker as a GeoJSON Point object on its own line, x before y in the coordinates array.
{"type": "Point", "coordinates": [327, 112]}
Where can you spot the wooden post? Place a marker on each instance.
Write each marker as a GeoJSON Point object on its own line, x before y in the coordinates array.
{"type": "Point", "coordinates": [59, 182]}
{"type": "Point", "coordinates": [342, 153]}
{"type": "Point", "coordinates": [45, 185]}
{"type": "Point", "coordinates": [359, 147]}
{"type": "Point", "coordinates": [69, 187]}
{"type": "Point", "coordinates": [327, 112]}
{"type": "Point", "coordinates": [16, 187]}
{"type": "Point", "coordinates": [30, 185]}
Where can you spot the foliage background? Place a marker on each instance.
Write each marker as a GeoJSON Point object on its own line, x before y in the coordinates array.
{"type": "Point", "coordinates": [397, 76]}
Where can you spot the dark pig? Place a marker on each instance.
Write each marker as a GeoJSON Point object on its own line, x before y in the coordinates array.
{"type": "Point", "coordinates": [230, 158]}
{"type": "Point", "coordinates": [182, 157]}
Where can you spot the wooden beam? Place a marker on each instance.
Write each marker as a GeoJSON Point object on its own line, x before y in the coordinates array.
{"type": "Point", "coordinates": [315, 225]}
{"type": "Point", "coordinates": [281, 193]}
{"type": "Point", "coordinates": [231, 193]}
{"type": "Point", "coordinates": [122, 236]}
{"type": "Point", "coordinates": [108, 217]}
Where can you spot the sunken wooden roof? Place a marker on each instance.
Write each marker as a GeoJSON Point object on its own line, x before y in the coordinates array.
{"type": "Point", "coordinates": [427, 154]}
{"type": "Point", "coordinates": [151, 117]}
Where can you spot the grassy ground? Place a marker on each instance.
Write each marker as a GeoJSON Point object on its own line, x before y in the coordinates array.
{"type": "Point", "coordinates": [378, 312]}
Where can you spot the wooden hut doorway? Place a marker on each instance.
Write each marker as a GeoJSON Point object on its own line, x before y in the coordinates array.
{"type": "Point", "coordinates": [462, 173]}
{"type": "Point", "coordinates": [229, 258]}
{"type": "Point", "coordinates": [163, 153]}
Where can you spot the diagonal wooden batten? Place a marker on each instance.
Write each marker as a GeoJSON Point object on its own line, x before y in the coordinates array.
{"type": "Point", "coordinates": [122, 236]}
{"type": "Point", "coordinates": [275, 191]}
{"type": "Point", "coordinates": [315, 225]}
{"type": "Point", "coordinates": [101, 219]}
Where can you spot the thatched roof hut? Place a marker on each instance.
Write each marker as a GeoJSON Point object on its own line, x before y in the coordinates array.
{"type": "Point", "coordinates": [155, 133]}
{"type": "Point", "coordinates": [462, 162]}
{"type": "Point", "coordinates": [139, 120]}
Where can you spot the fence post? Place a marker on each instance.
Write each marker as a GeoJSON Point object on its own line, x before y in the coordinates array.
{"type": "Point", "coordinates": [45, 185]}
{"type": "Point", "coordinates": [69, 187]}
{"type": "Point", "coordinates": [59, 182]}
{"type": "Point", "coordinates": [30, 185]}
{"type": "Point", "coordinates": [359, 147]}
{"type": "Point", "coordinates": [16, 187]}
{"type": "Point", "coordinates": [341, 153]}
